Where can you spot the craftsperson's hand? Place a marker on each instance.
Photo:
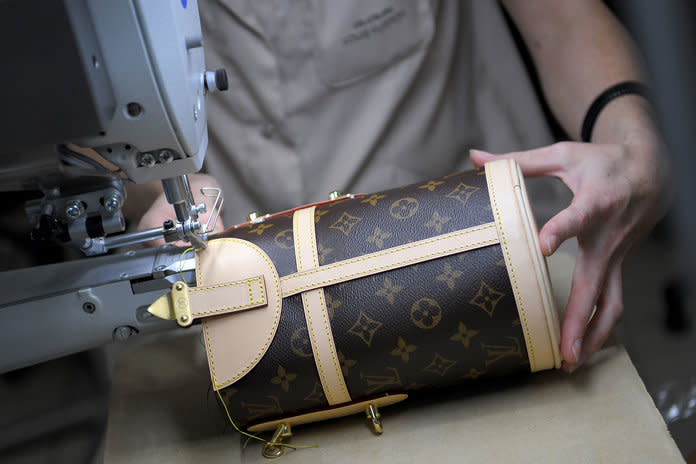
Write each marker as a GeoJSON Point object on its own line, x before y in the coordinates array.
{"type": "Point", "coordinates": [160, 210]}
{"type": "Point", "coordinates": [620, 193]}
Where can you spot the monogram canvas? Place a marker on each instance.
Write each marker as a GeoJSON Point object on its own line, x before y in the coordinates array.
{"type": "Point", "coordinates": [440, 322]}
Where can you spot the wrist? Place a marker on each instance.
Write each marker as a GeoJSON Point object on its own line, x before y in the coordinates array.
{"type": "Point", "coordinates": [628, 121]}
{"type": "Point", "coordinates": [625, 120]}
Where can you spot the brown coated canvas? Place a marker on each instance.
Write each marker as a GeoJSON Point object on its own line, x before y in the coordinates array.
{"type": "Point", "coordinates": [442, 322]}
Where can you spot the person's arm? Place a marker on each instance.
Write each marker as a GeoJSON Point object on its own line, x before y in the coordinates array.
{"type": "Point", "coordinates": [579, 49]}
{"type": "Point", "coordinates": [619, 181]}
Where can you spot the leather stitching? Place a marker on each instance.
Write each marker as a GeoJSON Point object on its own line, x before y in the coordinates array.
{"type": "Point", "coordinates": [375, 270]}
{"type": "Point", "coordinates": [324, 311]}
{"type": "Point", "coordinates": [317, 358]}
{"type": "Point", "coordinates": [305, 303]}
{"type": "Point", "coordinates": [503, 242]}
{"type": "Point", "coordinates": [327, 327]}
{"type": "Point", "coordinates": [262, 351]}
{"type": "Point", "coordinates": [248, 304]}
{"type": "Point", "coordinates": [355, 275]}
{"type": "Point", "coordinates": [393, 250]}
{"type": "Point", "coordinates": [298, 248]}
{"type": "Point", "coordinates": [307, 216]}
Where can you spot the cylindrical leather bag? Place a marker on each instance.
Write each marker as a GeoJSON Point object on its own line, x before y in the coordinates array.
{"type": "Point", "coordinates": [320, 311]}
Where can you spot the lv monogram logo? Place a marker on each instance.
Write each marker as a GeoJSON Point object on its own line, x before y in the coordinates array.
{"type": "Point", "coordinates": [345, 223]}
{"type": "Point", "coordinates": [462, 193]}
{"type": "Point", "coordinates": [300, 344]}
{"type": "Point", "coordinates": [260, 229]}
{"type": "Point", "coordinates": [487, 298]}
{"type": "Point", "coordinates": [256, 410]}
{"type": "Point", "coordinates": [317, 394]}
{"type": "Point", "coordinates": [498, 352]}
{"type": "Point", "coordinates": [284, 239]}
{"type": "Point", "coordinates": [381, 382]}
{"type": "Point", "coordinates": [373, 199]}
{"type": "Point", "coordinates": [437, 221]}
{"type": "Point", "coordinates": [404, 208]}
{"type": "Point", "coordinates": [365, 328]}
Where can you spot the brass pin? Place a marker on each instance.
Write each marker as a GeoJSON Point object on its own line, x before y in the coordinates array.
{"type": "Point", "coordinates": [337, 195]}
{"type": "Point", "coordinates": [274, 448]}
{"type": "Point", "coordinates": [374, 416]}
{"type": "Point", "coordinates": [256, 217]}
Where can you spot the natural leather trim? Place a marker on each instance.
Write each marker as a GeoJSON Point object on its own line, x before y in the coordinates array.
{"type": "Point", "coordinates": [525, 263]}
{"type": "Point", "coordinates": [331, 413]}
{"type": "Point", "coordinates": [391, 258]}
{"type": "Point", "coordinates": [316, 312]}
{"type": "Point", "coordinates": [237, 342]}
{"type": "Point", "coordinates": [213, 300]}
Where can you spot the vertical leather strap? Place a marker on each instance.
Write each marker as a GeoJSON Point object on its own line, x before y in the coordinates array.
{"type": "Point", "coordinates": [525, 264]}
{"type": "Point", "coordinates": [316, 313]}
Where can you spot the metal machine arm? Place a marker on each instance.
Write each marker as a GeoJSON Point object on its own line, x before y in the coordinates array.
{"type": "Point", "coordinates": [64, 308]}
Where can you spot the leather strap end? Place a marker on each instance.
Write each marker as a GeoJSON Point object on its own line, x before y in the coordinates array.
{"type": "Point", "coordinates": [184, 304]}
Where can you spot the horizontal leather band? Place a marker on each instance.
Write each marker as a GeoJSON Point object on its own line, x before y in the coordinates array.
{"type": "Point", "coordinates": [316, 313]}
{"type": "Point", "coordinates": [213, 300]}
{"type": "Point", "coordinates": [391, 258]}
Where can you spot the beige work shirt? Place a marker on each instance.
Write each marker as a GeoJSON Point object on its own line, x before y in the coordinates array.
{"type": "Point", "coordinates": [358, 96]}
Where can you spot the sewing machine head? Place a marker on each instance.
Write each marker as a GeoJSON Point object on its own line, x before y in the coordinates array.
{"type": "Point", "coordinates": [97, 94]}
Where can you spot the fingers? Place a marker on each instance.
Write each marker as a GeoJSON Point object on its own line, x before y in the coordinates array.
{"type": "Point", "coordinates": [588, 279]}
{"type": "Point", "coordinates": [570, 222]}
{"type": "Point", "coordinates": [545, 161]}
{"type": "Point", "coordinates": [609, 313]}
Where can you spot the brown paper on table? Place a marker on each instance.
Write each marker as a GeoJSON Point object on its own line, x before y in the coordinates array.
{"type": "Point", "coordinates": [602, 413]}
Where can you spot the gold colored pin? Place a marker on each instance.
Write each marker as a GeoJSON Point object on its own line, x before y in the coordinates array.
{"type": "Point", "coordinates": [336, 195]}
{"type": "Point", "coordinates": [374, 416]}
{"type": "Point", "coordinates": [275, 448]}
{"type": "Point", "coordinates": [256, 217]}
{"type": "Point", "coordinates": [174, 306]}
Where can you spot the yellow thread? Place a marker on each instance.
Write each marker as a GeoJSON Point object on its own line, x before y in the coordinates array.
{"type": "Point", "coordinates": [233, 284]}
{"type": "Point", "coordinates": [307, 216]}
{"type": "Point", "coordinates": [299, 251]}
{"type": "Point", "coordinates": [228, 308]}
{"type": "Point", "coordinates": [391, 266]}
{"type": "Point", "coordinates": [208, 346]}
{"type": "Point", "coordinates": [317, 358]}
{"type": "Point", "coordinates": [393, 250]}
{"type": "Point", "coordinates": [313, 235]}
{"type": "Point", "coordinates": [332, 343]}
{"type": "Point", "coordinates": [238, 283]}
{"type": "Point", "coordinates": [270, 335]}
{"type": "Point", "coordinates": [512, 269]}
{"type": "Point", "coordinates": [250, 436]}
{"type": "Point", "coordinates": [296, 234]}
{"type": "Point", "coordinates": [199, 273]}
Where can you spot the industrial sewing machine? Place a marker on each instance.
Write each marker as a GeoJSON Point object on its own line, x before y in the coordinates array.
{"type": "Point", "coordinates": [97, 94]}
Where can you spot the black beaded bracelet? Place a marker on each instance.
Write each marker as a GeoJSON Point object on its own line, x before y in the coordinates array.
{"type": "Point", "coordinates": [615, 91]}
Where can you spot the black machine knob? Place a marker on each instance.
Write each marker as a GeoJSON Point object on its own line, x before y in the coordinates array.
{"type": "Point", "coordinates": [216, 80]}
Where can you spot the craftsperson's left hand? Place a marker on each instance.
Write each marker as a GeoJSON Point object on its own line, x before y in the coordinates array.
{"type": "Point", "coordinates": [619, 195]}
